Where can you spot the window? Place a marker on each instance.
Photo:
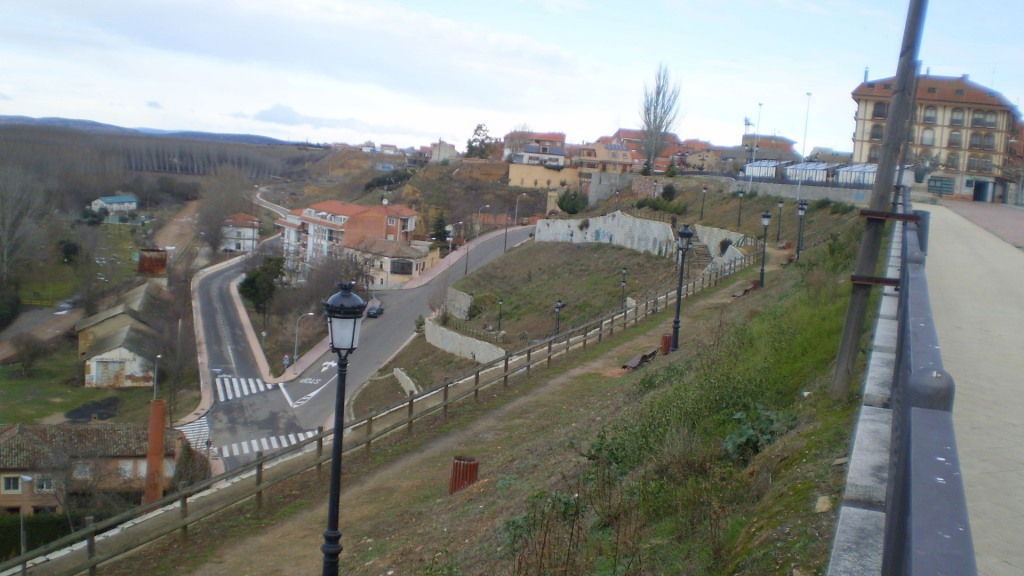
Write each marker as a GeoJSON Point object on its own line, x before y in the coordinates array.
{"type": "Point", "coordinates": [125, 468]}
{"type": "Point", "coordinates": [391, 221]}
{"type": "Point", "coordinates": [82, 471]}
{"type": "Point", "coordinates": [44, 484]}
{"type": "Point", "coordinates": [959, 91]}
{"type": "Point", "coordinates": [930, 114]}
{"type": "Point", "coordinates": [12, 485]}
{"type": "Point", "coordinates": [978, 118]}
{"type": "Point", "coordinates": [957, 117]}
{"type": "Point", "coordinates": [932, 89]}
{"type": "Point", "coordinates": [928, 137]}
{"type": "Point", "coordinates": [975, 140]}
{"type": "Point", "coordinates": [989, 141]}
{"type": "Point", "coordinates": [953, 162]}
{"type": "Point", "coordinates": [876, 132]}
{"type": "Point", "coordinates": [990, 119]}
{"type": "Point", "coordinates": [956, 139]}
{"type": "Point", "coordinates": [874, 153]}
{"type": "Point", "coordinates": [881, 110]}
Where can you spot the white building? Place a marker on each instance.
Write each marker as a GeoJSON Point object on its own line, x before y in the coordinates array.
{"type": "Point", "coordinates": [240, 233]}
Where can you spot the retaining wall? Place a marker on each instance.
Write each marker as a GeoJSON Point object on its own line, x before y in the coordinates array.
{"type": "Point", "coordinates": [462, 346]}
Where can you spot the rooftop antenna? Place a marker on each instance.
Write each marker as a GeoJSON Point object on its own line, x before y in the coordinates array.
{"type": "Point", "coordinates": [865, 73]}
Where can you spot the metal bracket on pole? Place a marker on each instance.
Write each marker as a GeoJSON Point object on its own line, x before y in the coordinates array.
{"type": "Point", "coordinates": [874, 281]}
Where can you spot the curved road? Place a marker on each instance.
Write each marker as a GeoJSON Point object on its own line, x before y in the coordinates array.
{"type": "Point", "coordinates": [248, 415]}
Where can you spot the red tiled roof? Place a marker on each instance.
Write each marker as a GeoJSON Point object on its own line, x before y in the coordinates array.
{"type": "Point", "coordinates": [241, 220]}
{"type": "Point", "coordinates": [520, 135]}
{"type": "Point", "coordinates": [944, 89]}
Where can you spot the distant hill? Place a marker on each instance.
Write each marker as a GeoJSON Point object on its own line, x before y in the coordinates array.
{"type": "Point", "coordinates": [100, 128]}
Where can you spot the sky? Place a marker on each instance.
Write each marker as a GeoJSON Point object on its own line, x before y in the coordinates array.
{"type": "Point", "coordinates": [412, 72]}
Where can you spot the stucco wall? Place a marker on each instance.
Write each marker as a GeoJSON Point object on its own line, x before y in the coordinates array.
{"type": "Point", "coordinates": [604, 185]}
{"type": "Point", "coordinates": [462, 346]}
{"type": "Point", "coordinates": [132, 371]}
{"type": "Point", "coordinates": [533, 176]}
{"type": "Point", "coordinates": [616, 228]}
{"type": "Point", "coordinates": [809, 193]}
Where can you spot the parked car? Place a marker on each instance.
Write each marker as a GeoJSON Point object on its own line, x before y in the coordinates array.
{"type": "Point", "coordinates": [374, 311]}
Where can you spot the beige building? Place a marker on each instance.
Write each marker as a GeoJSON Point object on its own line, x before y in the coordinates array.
{"type": "Point", "coordinates": [959, 140]}
{"type": "Point", "coordinates": [542, 177]}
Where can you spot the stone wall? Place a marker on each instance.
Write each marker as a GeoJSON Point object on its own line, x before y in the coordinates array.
{"type": "Point", "coordinates": [617, 228]}
{"type": "Point", "coordinates": [457, 303]}
{"type": "Point", "coordinates": [461, 346]}
{"type": "Point", "coordinates": [604, 185]}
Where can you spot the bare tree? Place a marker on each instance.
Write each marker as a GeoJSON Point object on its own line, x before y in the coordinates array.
{"type": "Point", "coordinates": [21, 203]}
{"type": "Point", "coordinates": [658, 113]}
{"type": "Point", "coordinates": [224, 195]}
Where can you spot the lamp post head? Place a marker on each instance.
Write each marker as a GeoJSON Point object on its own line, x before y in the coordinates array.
{"type": "Point", "coordinates": [740, 194]}
{"type": "Point", "coordinates": [344, 311]}
{"type": "Point", "coordinates": [766, 218]}
{"type": "Point", "coordinates": [685, 234]}
{"type": "Point", "coordinates": [704, 189]}
{"type": "Point", "coordinates": [781, 204]}
{"type": "Point", "coordinates": [801, 209]}
{"type": "Point", "coordinates": [500, 301]}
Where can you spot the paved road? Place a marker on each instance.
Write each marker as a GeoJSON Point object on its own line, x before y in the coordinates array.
{"type": "Point", "coordinates": [248, 415]}
{"type": "Point", "coordinates": [976, 283]}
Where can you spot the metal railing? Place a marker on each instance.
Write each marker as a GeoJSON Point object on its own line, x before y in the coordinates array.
{"type": "Point", "coordinates": [927, 530]}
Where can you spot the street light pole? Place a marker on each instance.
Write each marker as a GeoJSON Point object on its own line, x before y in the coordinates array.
{"type": "Point", "coordinates": [515, 220]}
{"type": "Point", "coordinates": [500, 302]}
{"type": "Point", "coordinates": [466, 272]}
{"type": "Point", "coordinates": [344, 311]}
{"type": "Point", "coordinates": [739, 211]}
{"type": "Point", "coordinates": [295, 350]}
{"type": "Point", "coordinates": [801, 210]}
{"type": "Point", "coordinates": [703, 197]}
{"type": "Point", "coordinates": [683, 246]}
{"type": "Point", "coordinates": [21, 529]}
{"type": "Point", "coordinates": [766, 219]}
{"type": "Point", "coordinates": [623, 285]}
{"type": "Point", "coordinates": [778, 230]}
{"type": "Point", "coordinates": [558, 315]}
{"type": "Point", "coordinates": [156, 373]}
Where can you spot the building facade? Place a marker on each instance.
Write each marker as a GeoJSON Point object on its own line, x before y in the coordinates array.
{"type": "Point", "coordinates": [960, 137]}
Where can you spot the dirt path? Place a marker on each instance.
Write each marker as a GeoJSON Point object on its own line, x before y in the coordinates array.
{"type": "Point", "coordinates": [397, 517]}
{"type": "Point", "coordinates": [178, 231]}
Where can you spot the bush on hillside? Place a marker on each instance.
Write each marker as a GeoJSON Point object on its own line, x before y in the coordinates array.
{"type": "Point", "coordinates": [10, 305]}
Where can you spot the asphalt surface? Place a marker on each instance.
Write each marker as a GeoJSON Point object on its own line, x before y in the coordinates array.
{"type": "Point", "coordinates": [976, 283]}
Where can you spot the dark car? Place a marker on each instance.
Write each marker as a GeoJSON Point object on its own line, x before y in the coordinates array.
{"type": "Point", "coordinates": [374, 311]}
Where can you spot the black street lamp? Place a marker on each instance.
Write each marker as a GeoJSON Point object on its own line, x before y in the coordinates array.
{"type": "Point", "coordinates": [558, 315]}
{"type": "Point", "coordinates": [703, 196]}
{"type": "Point", "coordinates": [766, 219]}
{"type": "Point", "coordinates": [778, 230]}
{"type": "Point", "coordinates": [344, 311]}
{"type": "Point", "coordinates": [739, 211]}
{"type": "Point", "coordinates": [801, 210]}
{"type": "Point", "coordinates": [515, 220]}
{"type": "Point", "coordinates": [683, 245]}
{"type": "Point", "coordinates": [500, 302]}
{"type": "Point", "coordinates": [622, 283]}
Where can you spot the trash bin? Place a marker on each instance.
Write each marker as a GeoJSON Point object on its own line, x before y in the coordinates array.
{"type": "Point", "coordinates": [666, 344]}
{"type": "Point", "coordinates": [464, 471]}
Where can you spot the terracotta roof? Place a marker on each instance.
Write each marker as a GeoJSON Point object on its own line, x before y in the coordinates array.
{"type": "Point", "coordinates": [47, 446]}
{"type": "Point", "coordinates": [938, 89]}
{"type": "Point", "coordinates": [241, 220]}
{"type": "Point", "coordinates": [519, 135]}
{"type": "Point", "coordinates": [389, 248]}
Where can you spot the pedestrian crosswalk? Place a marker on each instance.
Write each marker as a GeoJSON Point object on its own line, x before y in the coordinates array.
{"type": "Point", "coordinates": [197, 432]}
{"type": "Point", "coordinates": [266, 444]}
{"type": "Point", "coordinates": [231, 388]}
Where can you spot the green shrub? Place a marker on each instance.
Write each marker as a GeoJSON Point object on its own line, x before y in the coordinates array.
{"type": "Point", "coordinates": [10, 306]}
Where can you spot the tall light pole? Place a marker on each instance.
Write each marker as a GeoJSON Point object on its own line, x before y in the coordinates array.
{"type": "Point", "coordinates": [21, 524]}
{"type": "Point", "coordinates": [344, 311]}
{"type": "Point", "coordinates": [753, 155]}
{"type": "Point", "coordinates": [807, 116]}
{"type": "Point", "coordinates": [500, 302]}
{"type": "Point", "coordinates": [739, 211]}
{"type": "Point", "coordinates": [515, 219]}
{"type": "Point", "coordinates": [478, 226]}
{"type": "Point", "coordinates": [558, 315]}
{"type": "Point", "coordinates": [703, 197]}
{"type": "Point", "coordinates": [801, 210]}
{"type": "Point", "coordinates": [156, 373]}
{"type": "Point", "coordinates": [778, 229]}
{"type": "Point", "coordinates": [766, 219]}
{"type": "Point", "coordinates": [683, 245]}
{"type": "Point", "coordinates": [295, 350]}
{"type": "Point", "coordinates": [622, 283]}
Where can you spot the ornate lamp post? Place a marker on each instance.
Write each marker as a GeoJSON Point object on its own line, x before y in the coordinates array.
{"type": "Point", "coordinates": [344, 311]}
{"type": "Point", "coordinates": [801, 210]}
{"type": "Point", "coordinates": [778, 230]}
{"type": "Point", "coordinates": [766, 219]}
{"type": "Point", "coordinates": [622, 283]}
{"type": "Point", "coordinates": [703, 197]}
{"type": "Point", "coordinates": [558, 315]}
{"type": "Point", "coordinates": [683, 245]}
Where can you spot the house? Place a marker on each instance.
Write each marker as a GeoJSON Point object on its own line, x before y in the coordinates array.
{"type": "Point", "coordinates": [69, 462]}
{"type": "Point", "coordinates": [633, 139]}
{"type": "Point", "coordinates": [768, 147]}
{"type": "Point", "coordinates": [240, 233]}
{"type": "Point", "coordinates": [118, 346]}
{"type": "Point", "coordinates": [961, 134]}
{"type": "Point", "coordinates": [534, 148]}
{"type": "Point", "coordinates": [378, 236]}
{"type": "Point", "coordinates": [112, 204]}
{"type": "Point", "coordinates": [442, 151]}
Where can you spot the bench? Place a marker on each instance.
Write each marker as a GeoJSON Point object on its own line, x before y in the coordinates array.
{"type": "Point", "coordinates": [639, 360]}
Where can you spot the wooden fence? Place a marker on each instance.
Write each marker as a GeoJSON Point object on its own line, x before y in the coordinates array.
{"type": "Point", "coordinates": [102, 542]}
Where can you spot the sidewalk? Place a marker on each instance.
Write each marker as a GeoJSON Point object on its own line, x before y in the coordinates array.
{"type": "Point", "coordinates": [976, 283]}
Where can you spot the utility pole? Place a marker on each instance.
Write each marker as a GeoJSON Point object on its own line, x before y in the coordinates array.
{"type": "Point", "coordinates": [881, 194]}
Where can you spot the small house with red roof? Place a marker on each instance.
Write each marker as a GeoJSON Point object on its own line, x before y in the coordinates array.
{"type": "Point", "coordinates": [240, 233]}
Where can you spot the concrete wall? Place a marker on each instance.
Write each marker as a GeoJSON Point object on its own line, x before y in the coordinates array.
{"type": "Point", "coordinates": [861, 196]}
{"type": "Point", "coordinates": [462, 346]}
{"type": "Point", "coordinates": [457, 303]}
{"type": "Point", "coordinates": [616, 228]}
{"type": "Point", "coordinates": [604, 185]}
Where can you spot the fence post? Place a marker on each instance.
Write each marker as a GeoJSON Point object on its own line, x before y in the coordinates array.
{"type": "Point", "coordinates": [600, 331]}
{"type": "Point", "coordinates": [549, 351]}
{"type": "Point", "coordinates": [568, 342]}
{"type": "Point", "coordinates": [506, 370]}
{"type": "Point", "coordinates": [611, 326]}
{"type": "Point", "coordinates": [259, 480]}
{"type": "Point", "coordinates": [183, 505]}
{"type": "Point", "coordinates": [90, 544]}
{"type": "Point", "coordinates": [586, 332]}
{"type": "Point", "coordinates": [319, 449]}
{"type": "Point", "coordinates": [369, 434]}
{"type": "Point", "coordinates": [444, 404]}
{"type": "Point", "coordinates": [529, 362]}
